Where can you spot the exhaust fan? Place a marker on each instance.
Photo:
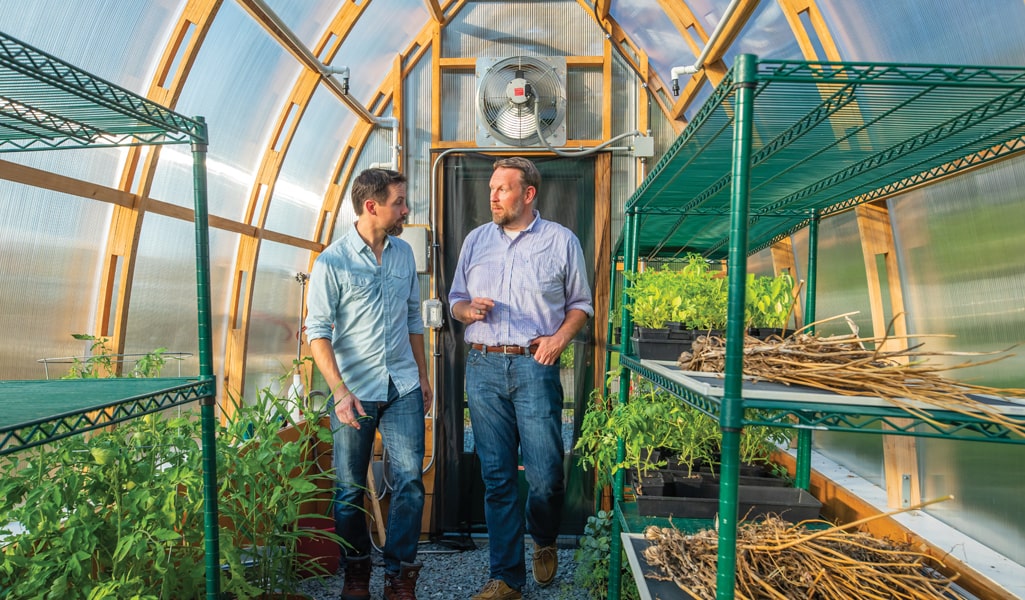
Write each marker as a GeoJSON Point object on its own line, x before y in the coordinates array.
{"type": "Point", "coordinates": [518, 97]}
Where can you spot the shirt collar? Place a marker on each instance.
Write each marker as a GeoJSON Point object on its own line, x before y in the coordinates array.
{"type": "Point", "coordinates": [528, 229]}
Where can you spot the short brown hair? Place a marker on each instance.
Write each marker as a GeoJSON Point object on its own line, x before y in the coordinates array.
{"type": "Point", "coordinates": [528, 172]}
{"type": "Point", "coordinates": [372, 184]}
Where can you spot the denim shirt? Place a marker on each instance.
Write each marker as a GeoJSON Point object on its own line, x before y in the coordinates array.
{"type": "Point", "coordinates": [534, 280]}
{"type": "Point", "coordinates": [368, 311]}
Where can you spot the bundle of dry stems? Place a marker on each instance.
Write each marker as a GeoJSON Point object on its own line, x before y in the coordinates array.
{"type": "Point", "coordinates": [780, 561]}
{"type": "Point", "coordinates": [859, 366]}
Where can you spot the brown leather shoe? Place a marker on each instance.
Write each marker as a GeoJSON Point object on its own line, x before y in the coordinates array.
{"type": "Point", "coordinates": [546, 564]}
{"type": "Point", "coordinates": [403, 585]}
{"type": "Point", "coordinates": [496, 589]}
{"type": "Point", "coordinates": [357, 578]}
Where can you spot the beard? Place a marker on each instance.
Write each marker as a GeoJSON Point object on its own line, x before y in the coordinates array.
{"type": "Point", "coordinates": [509, 216]}
{"type": "Point", "coordinates": [395, 230]}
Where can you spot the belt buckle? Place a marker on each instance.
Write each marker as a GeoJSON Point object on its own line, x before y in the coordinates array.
{"type": "Point", "coordinates": [511, 350]}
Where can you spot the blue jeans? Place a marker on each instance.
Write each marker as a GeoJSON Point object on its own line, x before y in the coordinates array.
{"type": "Point", "coordinates": [401, 422]}
{"type": "Point", "coordinates": [516, 402]}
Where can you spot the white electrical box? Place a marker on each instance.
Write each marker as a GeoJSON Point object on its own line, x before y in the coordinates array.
{"type": "Point", "coordinates": [644, 146]}
{"type": "Point", "coordinates": [433, 314]}
{"type": "Point", "coordinates": [418, 236]}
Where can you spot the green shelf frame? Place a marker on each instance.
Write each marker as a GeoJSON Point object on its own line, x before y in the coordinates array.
{"type": "Point", "coordinates": [778, 146]}
{"type": "Point", "coordinates": [37, 412]}
{"type": "Point", "coordinates": [845, 415]}
{"type": "Point", "coordinates": [49, 104]}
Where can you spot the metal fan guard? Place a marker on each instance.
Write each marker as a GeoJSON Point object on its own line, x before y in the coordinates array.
{"type": "Point", "coordinates": [500, 122]}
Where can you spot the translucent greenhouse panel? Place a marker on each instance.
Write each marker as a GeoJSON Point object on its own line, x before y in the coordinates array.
{"type": "Point", "coordinates": [987, 488]}
{"type": "Point", "coordinates": [842, 288]}
{"type": "Point", "coordinates": [87, 44]}
{"type": "Point", "coordinates": [274, 321]}
{"type": "Point", "coordinates": [163, 305]}
{"type": "Point", "coordinates": [960, 249]}
{"type": "Point", "coordinates": [949, 32]}
{"type": "Point", "coordinates": [309, 165]}
{"type": "Point", "coordinates": [648, 26]}
{"type": "Point", "coordinates": [50, 244]}
{"type": "Point", "coordinates": [239, 111]}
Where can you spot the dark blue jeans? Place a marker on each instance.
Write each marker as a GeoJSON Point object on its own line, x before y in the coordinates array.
{"type": "Point", "coordinates": [401, 422]}
{"type": "Point", "coordinates": [516, 402]}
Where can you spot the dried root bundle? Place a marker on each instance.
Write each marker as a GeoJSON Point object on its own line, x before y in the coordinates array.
{"type": "Point", "coordinates": [781, 561]}
{"type": "Point", "coordinates": [842, 364]}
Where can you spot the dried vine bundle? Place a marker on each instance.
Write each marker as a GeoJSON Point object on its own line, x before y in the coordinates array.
{"type": "Point", "coordinates": [781, 561]}
{"type": "Point", "coordinates": [842, 364]}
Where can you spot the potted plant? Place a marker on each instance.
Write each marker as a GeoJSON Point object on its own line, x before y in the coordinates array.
{"type": "Point", "coordinates": [653, 425]}
{"type": "Point", "coordinates": [769, 304]}
{"type": "Point", "coordinates": [668, 444]}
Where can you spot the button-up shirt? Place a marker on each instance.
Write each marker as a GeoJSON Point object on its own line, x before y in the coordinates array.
{"type": "Point", "coordinates": [534, 281]}
{"type": "Point", "coordinates": [368, 312]}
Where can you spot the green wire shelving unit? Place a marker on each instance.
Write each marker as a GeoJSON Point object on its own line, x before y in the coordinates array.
{"type": "Point", "coordinates": [777, 147]}
{"type": "Point", "coordinates": [49, 104]}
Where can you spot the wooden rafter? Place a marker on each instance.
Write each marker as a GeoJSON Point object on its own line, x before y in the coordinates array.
{"type": "Point", "coordinates": [117, 272]}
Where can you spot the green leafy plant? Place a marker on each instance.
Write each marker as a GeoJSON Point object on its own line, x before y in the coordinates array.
{"type": "Point", "coordinates": [652, 420]}
{"type": "Point", "coordinates": [689, 292]}
{"type": "Point", "coordinates": [769, 300]}
{"type": "Point", "coordinates": [269, 483]}
{"type": "Point", "coordinates": [119, 513]}
{"type": "Point", "coordinates": [592, 558]}
{"type": "Point", "coordinates": [103, 363]}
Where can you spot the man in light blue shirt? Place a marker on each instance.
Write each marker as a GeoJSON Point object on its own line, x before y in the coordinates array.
{"type": "Point", "coordinates": [366, 336]}
{"type": "Point", "coordinates": [521, 288]}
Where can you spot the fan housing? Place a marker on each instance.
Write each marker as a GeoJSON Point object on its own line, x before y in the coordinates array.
{"type": "Point", "coordinates": [518, 95]}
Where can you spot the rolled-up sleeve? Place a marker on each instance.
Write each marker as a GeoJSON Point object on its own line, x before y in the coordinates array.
{"type": "Point", "coordinates": [578, 291]}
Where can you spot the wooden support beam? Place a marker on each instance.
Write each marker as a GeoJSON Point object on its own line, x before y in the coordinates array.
{"type": "Point", "coordinates": [900, 455]}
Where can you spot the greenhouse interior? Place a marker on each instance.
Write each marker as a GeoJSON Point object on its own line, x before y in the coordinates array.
{"type": "Point", "coordinates": [762, 195]}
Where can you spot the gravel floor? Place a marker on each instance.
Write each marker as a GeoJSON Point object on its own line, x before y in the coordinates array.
{"type": "Point", "coordinates": [453, 575]}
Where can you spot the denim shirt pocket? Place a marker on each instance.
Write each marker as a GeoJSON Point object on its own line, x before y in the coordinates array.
{"type": "Point", "coordinates": [357, 287]}
{"type": "Point", "coordinates": [398, 282]}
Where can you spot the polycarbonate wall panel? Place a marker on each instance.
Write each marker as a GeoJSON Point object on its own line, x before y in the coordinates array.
{"type": "Point", "coordinates": [164, 311]}
{"type": "Point", "coordinates": [309, 165]}
{"type": "Point", "coordinates": [842, 288]}
{"type": "Point", "coordinates": [529, 27]}
{"type": "Point", "coordinates": [960, 248]}
{"type": "Point", "coordinates": [50, 245]}
{"type": "Point", "coordinates": [306, 19]}
{"type": "Point", "coordinates": [584, 101]}
{"type": "Point", "coordinates": [417, 162]}
{"type": "Point", "coordinates": [985, 480]}
{"type": "Point", "coordinates": [937, 31]}
{"type": "Point", "coordinates": [384, 29]}
{"type": "Point", "coordinates": [458, 99]}
{"type": "Point", "coordinates": [84, 32]}
{"type": "Point", "coordinates": [274, 322]}
{"type": "Point", "coordinates": [650, 29]}
{"type": "Point", "coordinates": [80, 32]}
{"type": "Point", "coordinates": [238, 84]}
{"type": "Point", "coordinates": [767, 34]}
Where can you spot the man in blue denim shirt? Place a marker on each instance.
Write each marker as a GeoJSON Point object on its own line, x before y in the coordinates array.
{"type": "Point", "coordinates": [366, 336]}
{"type": "Point", "coordinates": [520, 286]}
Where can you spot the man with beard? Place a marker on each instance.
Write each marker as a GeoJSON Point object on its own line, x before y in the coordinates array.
{"type": "Point", "coordinates": [520, 287]}
{"type": "Point", "coordinates": [366, 336]}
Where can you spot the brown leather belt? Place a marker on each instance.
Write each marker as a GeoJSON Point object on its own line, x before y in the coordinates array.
{"type": "Point", "coordinates": [505, 349]}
